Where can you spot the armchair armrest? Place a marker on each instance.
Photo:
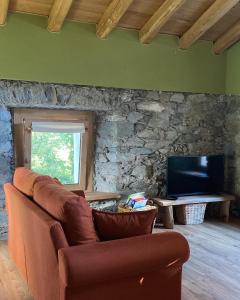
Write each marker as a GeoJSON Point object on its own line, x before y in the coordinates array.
{"type": "Point", "coordinates": [97, 262]}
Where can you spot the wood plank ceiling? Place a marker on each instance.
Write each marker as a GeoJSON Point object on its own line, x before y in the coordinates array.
{"type": "Point", "coordinates": [212, 20]}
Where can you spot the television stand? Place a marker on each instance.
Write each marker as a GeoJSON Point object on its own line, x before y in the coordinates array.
{"type": "Point", "coordinates": [167, 205]}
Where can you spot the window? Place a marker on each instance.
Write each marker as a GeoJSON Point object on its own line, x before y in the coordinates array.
{"type": "Point", "coordinates": [56, 150]}
{"type": "Point", "coordinates": [56, 143]}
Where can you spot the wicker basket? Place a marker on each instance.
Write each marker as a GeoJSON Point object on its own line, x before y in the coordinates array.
{"type": "Point", "coordinates": [191, 214]}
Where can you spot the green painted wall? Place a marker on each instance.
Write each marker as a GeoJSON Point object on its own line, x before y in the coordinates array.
{"type": "Point", "coordinates": [233, 70]}
{"type": "Point", "coordinates": [29, 52]}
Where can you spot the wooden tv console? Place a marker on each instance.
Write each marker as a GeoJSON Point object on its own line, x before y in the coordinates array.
{"type": "Point", "coordinates": [167, 205]}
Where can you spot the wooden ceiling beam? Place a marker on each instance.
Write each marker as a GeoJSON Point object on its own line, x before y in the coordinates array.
{"type": "Point", "coordinates": [111, 17]}
{"type": "Point", "coordinates": [210, 17]}
{"type": "Point", "coordinates": [3, 11]}
{"type": "Point", "coordinates": [160, 17]}
{"type": "Point", "coordinates": [58, 14]}
{"type": "Point", "coordinates": [226, 40]}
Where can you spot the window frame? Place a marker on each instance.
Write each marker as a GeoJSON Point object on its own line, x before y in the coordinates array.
{"type": "Point", "coordinates": [23, 119]}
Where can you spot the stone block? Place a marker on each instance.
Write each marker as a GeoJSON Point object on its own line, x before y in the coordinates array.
{"type": "Point", "coordinates": [107, 169]}
{"type": "Point", "coordinates": [4, 168]}
{"type": "Point", "coordinates": [120, 156]}
{"type": "Point", "coordinates": [134, 117]}
{"type": "Point", "coordinates": [5, 131]}
{"type": "Point", "coordinates": [147, 133]}
{"type": "Point", "coordinates": [159, 121]}
{"type": "Point", "coordinates": [179, 98]}
{"type": "Point", "coordinates": [138, 185]}
{"type": "Point", "coordinates": [5, 115]}
{"type": "Point", "coordinates": [141, 151]}
{"type": "Point", "coordinates": [153, 95]}
{"type": "Point", "coordinates": [134, 142]}
{"type": "Point", "coordinates": [105, 183]}
{"type": "Point", "coordinates": [2, 201]}
{"type": "Point", "coordinates": [155, 144]}
{"type": "Point", "coordinates": [140, 172]}
{"type": "Point", "coordinates": [115, 118]}
{"type": "Point", "coordinates": [152, 106]}
{"type": "Point", "coordinates": [3, 224]}
{"type": "Point", "coordinates": [124, 129]}
{"type": "Point", "coordinates": [5, 147]}
{"type": "Point", "coordinates": [102, 158]}
{"type": "Point", "coordinates": [107, 134]}
{"type": "Point", "coordinates": [126, 96]}
{"type": "Point", "coordinates": [171, 135]}
{"type": "Point", "coordinates": [200, 98]}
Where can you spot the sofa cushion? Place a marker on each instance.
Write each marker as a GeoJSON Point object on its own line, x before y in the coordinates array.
{"type": "Point", "coordinates": [71, 210]}
{"type": "Point", "coordinates": [111, 226]}
{"type": "Point", "coordinates": [24, 180]}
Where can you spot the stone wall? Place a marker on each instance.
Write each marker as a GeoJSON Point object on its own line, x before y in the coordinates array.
{"type": "Point", "coordinates": [6, 161]}
{"type": "Point", "coordinates": [232, 148]}
{"type": "Point", "coordinates": [133, 142]}
{"type": "Point", "coordinates": [135, 130]}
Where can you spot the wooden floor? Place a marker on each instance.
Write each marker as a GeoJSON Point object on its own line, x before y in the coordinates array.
{"type": "Point", "coordinates": [212, 273]}
{"type": "Point", "coordinates": [12, 287]}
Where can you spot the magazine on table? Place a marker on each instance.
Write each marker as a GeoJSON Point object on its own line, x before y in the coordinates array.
{"type": "Point", "coordinates": [137, 200]}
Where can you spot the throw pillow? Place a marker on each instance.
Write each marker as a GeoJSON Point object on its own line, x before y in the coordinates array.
{"type": "Point", "coordinates": [111, 226]}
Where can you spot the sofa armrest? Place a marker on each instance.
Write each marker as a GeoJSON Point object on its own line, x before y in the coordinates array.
{"type": "Point", "coordinates": [97, 262]}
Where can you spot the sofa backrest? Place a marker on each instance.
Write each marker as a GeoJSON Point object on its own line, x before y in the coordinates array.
{"type": "Point", "coordinates": [34, 240]}
{"type": "Point", "coordinates": [71, 210]}
{"type": "Point", "coordinates": [24, 180]}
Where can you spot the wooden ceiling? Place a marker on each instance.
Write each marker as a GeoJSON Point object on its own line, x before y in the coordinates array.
{"type": "Point", "coordinates": [212, 20]}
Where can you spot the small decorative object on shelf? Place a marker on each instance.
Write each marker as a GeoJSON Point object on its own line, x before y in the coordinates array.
{"type": "Point", "coordinates": [123, 208]}
{"type": "Point", "coordinates": [136, 202]}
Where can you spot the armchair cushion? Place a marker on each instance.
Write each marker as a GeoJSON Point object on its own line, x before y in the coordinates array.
{"type": "Point", "coordinates": [112, 226]}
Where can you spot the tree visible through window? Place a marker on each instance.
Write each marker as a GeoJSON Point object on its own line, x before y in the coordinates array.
{"type": "Point", "coordinates": [56, 150]}
{"type": "Point", "coordinates": [56, 154]}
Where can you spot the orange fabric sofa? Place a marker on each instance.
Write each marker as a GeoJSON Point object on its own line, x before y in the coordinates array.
{"type": "Point", "coordinates": [142, 267]}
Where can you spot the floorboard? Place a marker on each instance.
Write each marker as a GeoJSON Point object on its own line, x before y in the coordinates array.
{"type": "Point", "coordinates": [212, 273]}
{"type": "Point", "coordinates": [12, 287]}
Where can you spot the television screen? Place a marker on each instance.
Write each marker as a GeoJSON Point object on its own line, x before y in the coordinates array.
{"type": "Point", "coordinates": [195, 175]}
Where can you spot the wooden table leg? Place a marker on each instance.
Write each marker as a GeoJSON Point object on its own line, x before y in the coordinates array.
{"type": "Point", "coordinates": [224, 210]}
{"type": "Point", "coordinates": [168, 220]}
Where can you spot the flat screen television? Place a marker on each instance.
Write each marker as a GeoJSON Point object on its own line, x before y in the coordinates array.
{"type": "Point", "coordinates": [195, 175]}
